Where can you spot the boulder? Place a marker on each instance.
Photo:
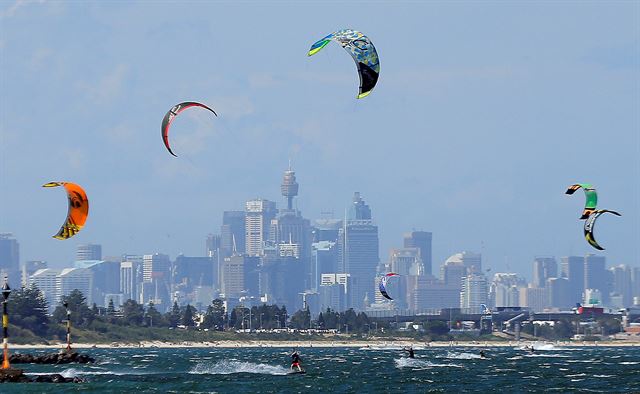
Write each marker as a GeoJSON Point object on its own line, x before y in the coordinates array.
{"type": "Point", "coordinates": [51, 358]}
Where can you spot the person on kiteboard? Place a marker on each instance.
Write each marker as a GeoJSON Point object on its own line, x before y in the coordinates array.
{"type": "Point", "coordinates": [410, 351]}
{"type": "Point", "coordinates": [295, 360]}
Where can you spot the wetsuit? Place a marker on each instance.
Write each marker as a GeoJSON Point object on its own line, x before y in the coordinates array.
{"type": "Point", "coordinates": [295, 361]}
{"type": "Point", "coordinates": [410, 351]}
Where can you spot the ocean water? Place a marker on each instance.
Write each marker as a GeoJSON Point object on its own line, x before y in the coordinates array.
{"type": "Point", "coordinates": [346, 370]}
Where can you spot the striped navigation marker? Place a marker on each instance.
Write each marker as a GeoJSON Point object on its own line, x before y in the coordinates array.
{"type": "Point", "coordinates": [6, 290]}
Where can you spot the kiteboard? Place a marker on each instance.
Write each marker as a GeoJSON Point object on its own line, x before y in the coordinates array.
{"type": "Point", "coordinates": [297, 372]}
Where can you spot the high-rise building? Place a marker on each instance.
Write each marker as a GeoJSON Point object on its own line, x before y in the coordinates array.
{"type": "Point", "coordinates": [137, 277]}
{"type": "Point", "coordinates": [533, 298]}
{"type": "Point", "coordinates": [592, 297]}
{"type": "Point", "coordinates": [474, 293]}
{"type": "Point", "coordinates": [131, 280]}
{"type": "Point", "coordinates": [212, 245]}
{"type": "Point", "coordinates": [156, 270]}
{"type": "Point", "coordinates": [543, 269]}
{"type": "Point", "coordinates": [333, 291]}
{"type": "Point", "coordinates": [105, 278]}
{"type": "Point", "coordinates": [232, 276]}
{"type": "Point", "coordinates": [232, 232]}
{"type": "Point", "coordinates": [324, 260]}
{"type": "Point", "coordinates": [430, 293]}
{"type": "Point", "coordinates": [422, 241]}
{"type": "Point", "coordinates": [326, 230]}
{"type": "Point", "coordinates": [195, 271]}
{"type": "Point", "coordinates": [29, 268]}
{"type": "Point", "coordinates": [560, 294]}
{"type": "Point", "coordinates": [9, 258]}
{"type": "Point", "coordinates": [406, 261]}
{"type": "Point", "coordinates": [358, 251]}
{"type": "Point", "coordinates": [622, 283]}
{"type": "Point", "coordinates": [71, 279]}
{"type": "Point", "coordinates": [595, 275]}
{"type": "Point", "coordinates": [471, 261]}
{"type": "Point", "coordinates": [258, 216]}
{"type": "Point", "coordinates": [635, 282]}
{"type": "Point", "coordinates": [240, 276]}
{"type": "Point", "coordinates": [359, 209]}
{"type": "Point", "coordinates": [88, 252]}
{"type": "Point", "coordinates": [282, 278]}
{"type": "Point", "coordinates": [46, 280]}
{"type": "Point", "coordinates": [505, 289]}
{"type": "Point", "coordinates": [572, 268]}
{"type": "Point", "coordinates": [289, 187]}
{"type": "Point", "coordinates": [408, 264]}
{"type": "Point", "coordinates": [453, 270]}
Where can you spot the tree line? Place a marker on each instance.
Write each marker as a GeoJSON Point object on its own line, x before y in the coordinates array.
{"type": "Point", "coordinates": [28, 309]}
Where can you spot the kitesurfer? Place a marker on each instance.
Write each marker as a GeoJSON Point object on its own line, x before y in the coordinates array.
{"type": "Point", "coordinates": [295, 360]}
{"type": "Point", "coordinates": [410, 351]}
{"type": "Point", "coordinates": [482, 354]}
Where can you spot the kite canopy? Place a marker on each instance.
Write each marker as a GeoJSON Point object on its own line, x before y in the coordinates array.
{"type": "Point", "coordinates": [78, 209]}
{"type": "Point", "coordinates": [590, 224]}
{"type": "Point", "coordinates": [383, 284]}
{"type": "Point", "coordinates": [173, 112]}
{"type": "Point", "coordinates": [363, 53]}
{"type": "Point", "coordinates": [590, 194]}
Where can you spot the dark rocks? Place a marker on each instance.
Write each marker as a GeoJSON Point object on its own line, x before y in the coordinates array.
{"type": "Point", "coordinates": [51, 358]}
{"type": "Point", "coordinates": [56, 378]}
{"type": "Point", "coordinates": [13, 375]}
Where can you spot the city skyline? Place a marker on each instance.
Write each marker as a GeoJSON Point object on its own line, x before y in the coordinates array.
{"type": "Point", "coordinates": [274, 206]}
{"type": "Point", "coordinates": [474, 137]}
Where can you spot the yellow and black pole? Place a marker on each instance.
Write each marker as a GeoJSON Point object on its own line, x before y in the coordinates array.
{"type": "Point", "coordinates": [6, 290]}
{"type": "Point", "coordinates": [66, 306]}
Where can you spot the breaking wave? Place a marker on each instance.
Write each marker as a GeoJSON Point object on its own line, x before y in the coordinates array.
{"type": "Point", "coordinates": [417, 363]}
{"type": "Point", "coordinates": [463, 356]}
{"type": "Point", "coordinates": [231, 367]}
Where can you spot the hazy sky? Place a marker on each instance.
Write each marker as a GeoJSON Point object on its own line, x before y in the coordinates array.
{"type": "Point", "coordinates": [483, 114]}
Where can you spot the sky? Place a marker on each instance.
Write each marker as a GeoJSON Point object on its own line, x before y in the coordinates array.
{"type": "Point", "coordinates": [484, 113]}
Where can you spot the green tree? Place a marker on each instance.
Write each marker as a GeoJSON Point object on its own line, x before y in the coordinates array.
{"type": "Point", "coordinates": [330, 319]}
{"type": "Point", "coordinates": [188, 317]}
{"type": "Point", "coordinates": [301, 319]}
{"type": "Point", "coordinates": [436, 328]}
{"type": "Point", "coordinates": [321, 321]}
{"type": "Point", "coordinates": [216, 316]}
{"type": "Point", "coordinates": [239, 317]}
{"type": "Point", "coordinates": [173, 316]}
{"type": "Point", "coordinates": [362, 322]}
{"type": "Point", "coordinates": [132, 313]}
{"type": "Point", "coordinates": [283, 316]}
{"type": "Point", "coordinates": [111, 309]}
{"type": "Point", "coordinates": [349, 320]}
{"type": "Point", "coordinates": [81, 314]}
{"type": "Point", "coordinates": [153, 317]}
{"type": "Point", "coordinates": [28, 309]}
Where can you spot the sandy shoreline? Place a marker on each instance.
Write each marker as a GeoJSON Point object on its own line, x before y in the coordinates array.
{"type": "Point", "coordinates": [325, 344]}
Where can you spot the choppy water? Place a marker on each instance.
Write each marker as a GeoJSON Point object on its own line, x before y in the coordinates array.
{"type": "Point", "coordinates": [240, 370]}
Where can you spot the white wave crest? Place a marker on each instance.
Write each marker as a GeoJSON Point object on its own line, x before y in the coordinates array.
{"type": "Point", "coordinates": [231, 367]}
{"type": "Point", "coordinates": [463, 356]}
{"type": "Point", "coordinates": [73, 372]}
{"type": "Point", "coordinates": [417, 363]}
{"type": "Point", "coordinates": [542, 346]}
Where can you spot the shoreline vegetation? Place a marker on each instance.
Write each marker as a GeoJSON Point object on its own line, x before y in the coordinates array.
{"type": "Point", "coordinates": [135, 325]}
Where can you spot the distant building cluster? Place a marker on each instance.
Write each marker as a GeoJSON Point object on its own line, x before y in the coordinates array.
{"type": "Point", "coordinates": [266, 254]}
